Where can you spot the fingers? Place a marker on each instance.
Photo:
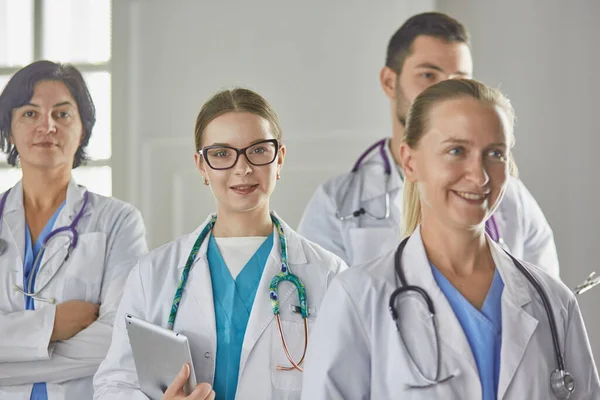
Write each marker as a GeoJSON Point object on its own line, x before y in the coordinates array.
{"type": "Point", "coordinates": [203, 392]}
{"type": "Point", "coordinates": [177, 385]}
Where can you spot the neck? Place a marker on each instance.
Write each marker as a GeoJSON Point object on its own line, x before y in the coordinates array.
{"type": "Point", "coordinates": [241, 224]}
{"type": "Point", "coordinates": [460, 252]}
{"type": "Point", "coordinates": [396, 140]}
{"type": "Point", "coordinates": [44, 190]}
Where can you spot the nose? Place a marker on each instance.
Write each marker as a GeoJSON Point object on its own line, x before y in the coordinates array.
{"type": "Point", "coordinates": [47, 124]}
{"type": "Point", "coordinates": [242, 166]}
{"type": "Point", "coordinates": [477, 172]}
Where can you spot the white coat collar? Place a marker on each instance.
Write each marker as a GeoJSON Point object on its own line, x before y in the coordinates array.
{"type": "Point", "coordinates": [518, 325]}
{"type": "Point", "coordinates": [73, 203]}
{"type": "Point", "coordinates": [261, 314]}
{"type": "Point", "coordinates": [295, 249]}
{"type": "Point", "coordinates": [14, 215]}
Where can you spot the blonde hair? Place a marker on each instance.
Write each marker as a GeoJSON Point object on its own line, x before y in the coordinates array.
{"type": "Point", "coordinates": [416, 126]}
{"type": "Point", "coordinates": [235, 100]}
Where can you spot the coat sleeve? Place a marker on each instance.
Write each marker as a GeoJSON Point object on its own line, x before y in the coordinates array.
{"type": "Point", "coordinates": [80, 355]}
{"type": "Point", "coordinates": [338, 359]}
{"type": "Point", "coordinates": [117, 377]}
{"type": "Point", "coordinates": [319, 224]}
{"type": "Point", "coordinates": [25, 336]}
{"type": "Point", "coordinates": [539, 248]}
{"type": "Point", "coordinates": [579, 360]}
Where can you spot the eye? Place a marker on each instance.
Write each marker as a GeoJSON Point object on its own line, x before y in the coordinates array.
{"type": "Point", "coordinates": [428, 75]}
{"type": "Point", "coordinates": [456, 151]}
{"type": "Point", "coordinates": [29, 114]}
{"type": "Point", "coordinates": [259, 150]}
{"type": "Point", "coordinates": [220, 153]}
{"type": "Point", "coordinates": [63, 114]}
{"type": "Point", "coordinates": [498, 154]}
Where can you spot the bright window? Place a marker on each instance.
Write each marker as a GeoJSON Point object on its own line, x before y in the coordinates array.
{"type": "Point", "coordinates": [67, 31]}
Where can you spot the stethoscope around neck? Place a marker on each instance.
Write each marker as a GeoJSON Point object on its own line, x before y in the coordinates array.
{"type": "Point", "coordinates": [561, 381]}
{"type": "Point", "coordinates": [37, 266]}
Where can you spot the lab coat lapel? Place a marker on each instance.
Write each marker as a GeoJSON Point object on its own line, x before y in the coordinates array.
{"type": "Point", "coordinates": [13, 229]}
{"type": "Point", "coordinates": [199, 284]}
{"type": "Point", "coordinates": [452, 337]}
{"type": "Point", "coordinates": [518, 326]}
{"type": "Point", "coordinates": [262, 312]}
{"type": "Point", "coordinates": [54, 255]}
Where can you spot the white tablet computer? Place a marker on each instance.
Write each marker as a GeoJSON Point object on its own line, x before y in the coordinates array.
{"type": "Point", "coordinates": [158, 354]}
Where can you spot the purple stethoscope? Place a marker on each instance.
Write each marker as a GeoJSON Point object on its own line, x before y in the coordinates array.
{"type": "Point", "coordinates": [491, 226]}
{"type": "Point", "coordinates": [73, 238]}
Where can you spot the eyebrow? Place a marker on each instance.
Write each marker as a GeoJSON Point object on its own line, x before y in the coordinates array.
{"type": "Point", "coordinates": [470, 142]}
{"type": "Point", "coordinates": [440, 69]}
{"type": "Point", "coordinates": [62, 103]}
{"type": "Point", "coordinates": [228, 145]}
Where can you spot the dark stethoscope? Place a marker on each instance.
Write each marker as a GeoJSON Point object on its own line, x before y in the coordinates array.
{"type": "Point", "coordinates": [388, 173]}
{"type": "Point", "coordinates": [561, 381]}
{"type": "Point", "coordinates": [73, 239]}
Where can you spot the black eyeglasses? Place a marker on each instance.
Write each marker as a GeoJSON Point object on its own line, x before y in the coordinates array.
{"type": "Point", "coordinates": [225, 157]}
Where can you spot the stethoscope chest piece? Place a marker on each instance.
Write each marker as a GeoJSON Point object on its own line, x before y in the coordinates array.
{"type": "Point", "coordinates": [3, 246]}
{"type": "Point", "coordinates": [562, 383]}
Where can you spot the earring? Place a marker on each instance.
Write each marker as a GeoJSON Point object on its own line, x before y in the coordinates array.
{"type": "Point", "coordinates": [206, 181]}
{"type": "Point", "coordinates": [278, 176]}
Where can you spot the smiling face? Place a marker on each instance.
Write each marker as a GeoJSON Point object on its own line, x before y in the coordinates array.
{"type": "Point", "coordinates": [460, 164]}
{"type": "Point", "coordinates": [47, 131]}
{"type": "Point", "coordinates": [244, 187]}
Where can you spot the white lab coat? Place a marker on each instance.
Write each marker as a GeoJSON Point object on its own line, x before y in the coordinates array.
{"type": "Point", "coordinates": [149, 295]}
{"type": "Point", "coordinates": [111, 239]}
{"type": "Point", "coordinates": [356, 352]}
{"type": "Point", "coordinates": [520, 220]}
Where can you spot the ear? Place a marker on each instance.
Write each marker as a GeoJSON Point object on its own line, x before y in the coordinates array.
{"type": "Point", "coordinates": [388, 78]}
{"type": "Point", "coordinates": [408, 162]}
{"type": "Point", "coordinates": [201, 165]}
{"type": "Point", "coordinates": [280, 157]}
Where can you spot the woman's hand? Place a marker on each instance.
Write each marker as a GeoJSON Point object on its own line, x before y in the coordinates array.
{"type": "Point", "coordinates": [175, 390]}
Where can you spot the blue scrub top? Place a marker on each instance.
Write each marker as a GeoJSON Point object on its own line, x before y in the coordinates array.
{"type": "Point", "coordinates": [233, 299]}
{"type": "Point", "coordinates": [483, 329]}
{"type": "Point", "coordinates": [39, 391]}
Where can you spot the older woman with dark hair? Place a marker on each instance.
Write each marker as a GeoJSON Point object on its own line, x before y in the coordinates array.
{"type": "Point", "coordinates": [64, 252]}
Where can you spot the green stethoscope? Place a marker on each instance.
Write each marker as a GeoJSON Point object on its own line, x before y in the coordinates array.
{"type": "Point", "coordinates": [285, 275]}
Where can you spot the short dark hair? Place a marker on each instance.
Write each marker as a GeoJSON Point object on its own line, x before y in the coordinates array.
{"type": "Point", "coordinates": [19, 91]}
{"type": "Point", "coordinates": [428, 24]}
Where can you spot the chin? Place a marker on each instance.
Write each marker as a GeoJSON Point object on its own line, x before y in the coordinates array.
{"type": "Point", "coordinates": [248, 205]}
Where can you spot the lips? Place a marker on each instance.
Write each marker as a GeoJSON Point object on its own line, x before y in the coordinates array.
{"type": "Point", "coordinates": [472, 197]}
{"type": "Point", "coordinates": [45, 144]}
{"type": "Point", "coordinates": [244, 189]}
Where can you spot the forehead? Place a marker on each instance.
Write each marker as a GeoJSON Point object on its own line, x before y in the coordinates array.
{"type": "Point", "coordinates": [452, 57]}
{"type": "Point", "coordinates": [237, 129]}
{"type": "Point", "coordinates": [52, 92]}
{"type": "Point", "coordinates": [468, 119]}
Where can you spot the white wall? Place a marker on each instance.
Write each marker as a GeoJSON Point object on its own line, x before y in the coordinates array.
{"type": "Point", "coordinates": [316, 61]}
{"type": "Point", "coordinates": [545, 56]}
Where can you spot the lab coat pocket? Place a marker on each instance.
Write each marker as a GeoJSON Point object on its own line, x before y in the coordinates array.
{"type": "Point", "coordinates": [84, 269]}
{"type": "Point", "coordinates": [287, 383]}
{"type": "Point", "coordinates": [369, 243]}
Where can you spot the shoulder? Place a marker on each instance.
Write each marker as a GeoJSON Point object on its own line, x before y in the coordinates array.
{"type": "Point", "coordinates": [516, 194]}
{"type": "Point", "coordinates": [110, 207]}
{"type": "Point", "coordinates": [169, 254]}
{"type": "Point", "coordinates": [372, 165]}
{"type": "Point", "coordinates": [560, 296]}
{"type": "Point", "coordinates": [314, 253]}
{"type": "Point", "coordinates": [370, 281]}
